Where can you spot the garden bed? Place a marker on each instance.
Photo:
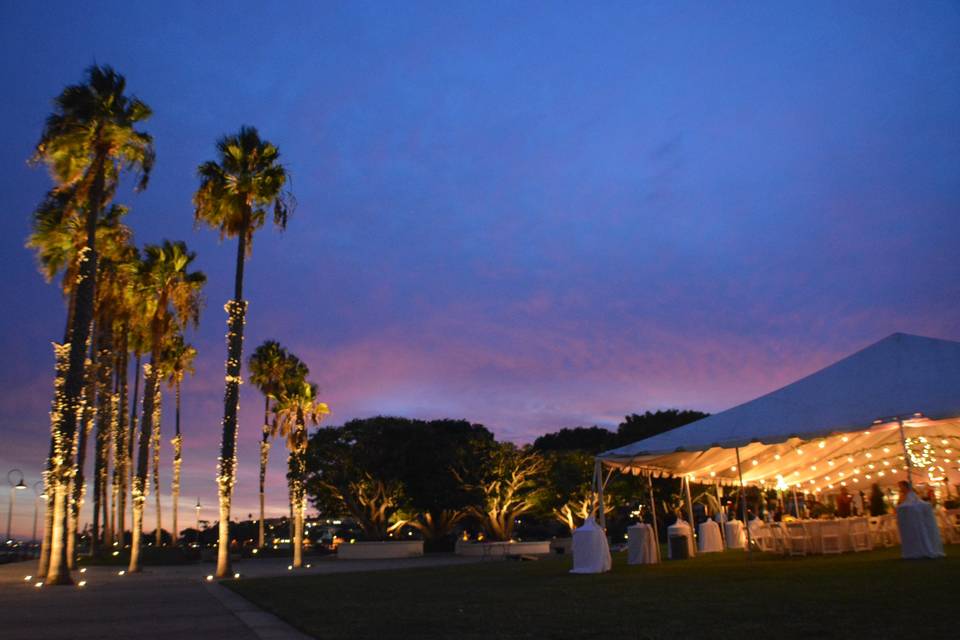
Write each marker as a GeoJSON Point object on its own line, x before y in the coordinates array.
{"type": "Point", "coordinates": [502, 549]}
{"type": "Point", "coordinates": [380, 550]}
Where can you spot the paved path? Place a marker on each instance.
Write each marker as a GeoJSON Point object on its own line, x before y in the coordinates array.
{"type": "Point", "coordinates": [161, 602]}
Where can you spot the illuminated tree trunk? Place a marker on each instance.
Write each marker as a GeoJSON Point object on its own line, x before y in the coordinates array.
{"type": "Point", "coordinates": [297, 464]}
{"type": "Point", "coordinates": [121, 445]}
{"type": "Point", "coordinates": [61, 357]}
{"type": "Point", "coordinates": [72, 398]}
{"type": "Point", "coordinates": [155, 445]}
{"type": "Point", "coordinates": [177, 443]}
{"type": "Point", "coordinates": [264, 458]}
{"type": "Point", "coordinates": [105, 405]}
{"type": "Point", "coordinates": [140, 485]}
{"type": "Point", "coordinates": [78, 485]}
{"type": "Point", "coordinates": [132, 432]}
{"type": "Point", "coordinates": [226, 474]}
{"type": "Point", "coordinates": [60, 352]}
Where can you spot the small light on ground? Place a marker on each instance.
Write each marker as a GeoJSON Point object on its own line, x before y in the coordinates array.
{"type": "Point", "coordinates": [289, 567]}
{"type": "Point", "coordinates": [255, 551]}
{"type": "Point", "coordinates": [27, 578]}
{"type": "Point", "coordinates": [309, 565]}
{"type": "Point", "coordinates": [121, 572]}
{"type": "Point", "coordinates": [82, 583]}
{"type": "Point", "coordinates": [38, 584]}
{"type": "Point", "coordinates": [84, 570]}
{"type": "Point", "coordinates": [209, 578]}
{"type": "Point", "coordinates": [116, 553]}
{"type": "Point", "coordinates": [236, 575]}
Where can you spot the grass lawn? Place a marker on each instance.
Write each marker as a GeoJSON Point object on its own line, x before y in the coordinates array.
{"type": "Point", "coordinates": [868, 595]}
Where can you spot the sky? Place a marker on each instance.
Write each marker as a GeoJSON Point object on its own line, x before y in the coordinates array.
{"type": "Point", "coordinates": [530, 215]}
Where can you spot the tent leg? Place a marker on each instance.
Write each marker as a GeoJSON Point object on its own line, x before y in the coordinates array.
{"type": "Point", "coordinates": [653, 512]}
{"type": "Point", "coordinates": [796, 504]}
{"type": "Point", "coordinates": [598, 480]}
{"type": "Point", "coordinates": [723, 517]}
{"type": "Point", "coordinates": [693, 525]}
{"type": "Point", "coordinates": [743, 502]}
{"type": "Point", "coordinates": [906, 453]}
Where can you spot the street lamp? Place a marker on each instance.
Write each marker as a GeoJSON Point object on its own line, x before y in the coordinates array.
{"type": "Point", "coordinates": [38, 492]}
{"type": "Point", "coordinates": [14, 486]}
{"type": "Point", "coordinates": [198, 522]}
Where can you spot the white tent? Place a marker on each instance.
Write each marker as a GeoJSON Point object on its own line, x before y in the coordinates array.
{"type": "Point", "coordinates": [840, 426]}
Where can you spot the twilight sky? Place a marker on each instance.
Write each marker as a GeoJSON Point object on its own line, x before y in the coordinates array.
{"type": "Point", "coordinates": [531, 216]}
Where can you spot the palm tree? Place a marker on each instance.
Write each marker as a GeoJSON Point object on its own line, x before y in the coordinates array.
{"type": "Point", "coordinates": [178, 359]}
{"type": "Point", "coordinates": [235, 193]}
{"type": "Point", "coordinates": [127, 321]}
{"type": "Point", "coordinates": [268, 366]}
{"type": "Point", "coordinates": [86, 143]}
{"type": "Point", "coordinates": [58, 235]}
{"type": "Point", "coordinates": [297, 407]}
{"type": "Point", "coordinates": [172, 300]}
{"type": "Point", "coordinates": [111, 289]}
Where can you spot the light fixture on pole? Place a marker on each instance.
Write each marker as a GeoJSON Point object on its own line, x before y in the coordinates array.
{"type": "Point", "coordinates": [198, 522]}
{"type": "Point", "coordinates": [14, 486]}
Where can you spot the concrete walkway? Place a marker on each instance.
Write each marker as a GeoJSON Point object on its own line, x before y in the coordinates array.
{"type": "Point", "coordinates": [161, 602]}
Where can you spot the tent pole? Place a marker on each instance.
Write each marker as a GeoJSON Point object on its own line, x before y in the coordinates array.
{"type": "Point", "coordinates": [906, 453]}
{"type": "Point", "coordinates": [598, 473]}
{"type": "Point", "coordinates": [796, 504]}
{"type": "Point", "coordinates": [743, 501]}
{"type": "Point", "coordinates": [653, 512]}
{"type": "Point", "coordinates": [693, 525]}
{"type": "Point", "coordinates": [723, 515]}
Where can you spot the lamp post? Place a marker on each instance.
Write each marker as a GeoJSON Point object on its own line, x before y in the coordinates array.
{"type": "Point", "coordinates": [198, 522]}
{"type": "Point", "coordinates": [14, 486]}
{"type": "Point", "coordinates": [38, 493]}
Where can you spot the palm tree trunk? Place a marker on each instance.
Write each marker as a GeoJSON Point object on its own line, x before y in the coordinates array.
{"type": "Point", "coordinates": [105, 405]}
{"type": "Point", "coordinates": [140, 485]}
{"type": "Point", "coordinates": [298, 535]}
{"type": "Point", "coordinates": [132, 432]}
{"type": "Point", "coordinates": [155, 445]}
{"type": "Point", "coordinates": [120, 446]}
{"type": "Point", "coordinates": [70, 404]}
{"type": "Point", "coordinates": [175, 485]}
{"type": "Point", "coordinates": [296, 473]}
{"type": "Point", "coordinates": [78, 485]}
{"type": "Point", "coordinates": [60, 352]}
{"type": "Point", "coordinates": [226, 474]}
{"type": "Point", "coordinates": [264, 458]}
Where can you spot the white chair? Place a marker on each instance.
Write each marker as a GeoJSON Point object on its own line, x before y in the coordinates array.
{"type": "Point", "coordinates": [878, 532]}
{"type": "Point", "coordinates": [948, 526]}
{"type": "Point", "coordinates": [830, 538]}
{"type": "Point", "coordinates": [778, 539]}
{"type": "Point", "coordinates": [760, 534]}
{"type": "Point", "coordinates": [860, 535]}
{"type": "Point", "coordinates": [797, 539]}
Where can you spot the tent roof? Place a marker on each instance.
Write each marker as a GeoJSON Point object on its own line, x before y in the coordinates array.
{"type": "Point", "coordinates": [849, 407]}
{"type": "Point", "coordinates": [896, 377]}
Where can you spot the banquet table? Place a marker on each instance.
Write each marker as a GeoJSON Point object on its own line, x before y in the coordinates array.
{"type": "Point", "coordinates": [676, 530]}
{"type": "Point", "coordinates": [591, 553]}
{"type": "Point", "coordinates": [733, 532]}
{"type": "Point", "coordinates": [709, 540]}
{"type": "Point", "coordinates": [641, 545]}
{"type": "Point", "coordinates": [919, 534]}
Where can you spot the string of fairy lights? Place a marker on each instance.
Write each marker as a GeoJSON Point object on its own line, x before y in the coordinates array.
{"type": "Point", "coordinates": [932, 457]}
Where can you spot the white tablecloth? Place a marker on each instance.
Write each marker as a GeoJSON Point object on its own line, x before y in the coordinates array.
{"type": "Point", "coordinates": [919, 534]}
{"type": "Point", "coordinates": [680, 529]}
{"type": "Point", "coordinates": [733, 531]}
{"type": "Point", "coordinates": [591, 553]}
{"type": "Point", "coordinates": [641, 546]}
{"type": "Point", "coordinates": [709, 540]}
